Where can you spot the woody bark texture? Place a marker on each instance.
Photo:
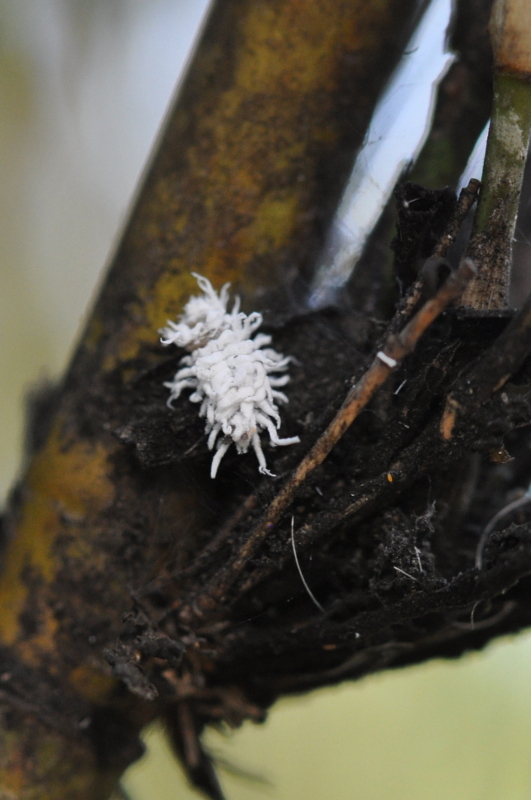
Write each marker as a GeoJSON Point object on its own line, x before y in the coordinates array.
{"type": "Point", "coordinates": [250, 166]}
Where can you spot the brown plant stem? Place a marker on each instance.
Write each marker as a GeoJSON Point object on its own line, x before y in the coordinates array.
{"type": "Point", "coordinates": [249, 168]}
{"type": "Point", "coordinates": [467, 197]}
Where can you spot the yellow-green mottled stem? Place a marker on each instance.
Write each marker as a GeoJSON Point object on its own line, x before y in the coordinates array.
{"type": "Point", "coordinates": [275, 105]}
{"type": "Point", "coordinates": [495, 220]}
{"type": "Point", "coordinates": [492, 236]}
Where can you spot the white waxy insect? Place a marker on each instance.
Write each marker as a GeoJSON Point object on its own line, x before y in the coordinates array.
{"type": "Point", "coordinates": [234, 376]}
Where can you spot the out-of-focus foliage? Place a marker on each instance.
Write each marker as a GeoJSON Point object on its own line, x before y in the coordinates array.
{"type": "Point", "coordinates": [83, 87]}
{"type": "Point", "coordinates": [445, 729]}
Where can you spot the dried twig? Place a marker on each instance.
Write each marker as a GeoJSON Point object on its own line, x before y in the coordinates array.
{"type": "Point", "coordinates": [183, 728]}
{"type": "Point", "coordinates": [384, 364]}
{"type": "Point", "coordinates": [467, 198]}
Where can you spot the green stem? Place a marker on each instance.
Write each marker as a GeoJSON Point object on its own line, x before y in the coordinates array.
{"type": "Point", "coordinates": [494, 224]}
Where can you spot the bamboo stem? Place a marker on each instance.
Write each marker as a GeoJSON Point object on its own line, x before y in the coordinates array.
{"type": "Point", "coordinates": [267, 123]}
{"type": "Point", "coordinates": [491, 243]}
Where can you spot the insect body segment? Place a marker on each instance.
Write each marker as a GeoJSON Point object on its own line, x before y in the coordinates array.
{"type": "Point", "coordinates": [204, 317]}
{"type": "Point", "coordinates": [234, 378]}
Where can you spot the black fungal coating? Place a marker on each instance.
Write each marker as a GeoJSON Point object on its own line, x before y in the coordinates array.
{"type": "Point", "coordinates": [158, 435]}
{"type": "Point", "coordinates": [411, 548]}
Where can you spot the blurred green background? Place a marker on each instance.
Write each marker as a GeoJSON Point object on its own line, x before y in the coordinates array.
{"type": "Point", "coordinates": [83, 88]}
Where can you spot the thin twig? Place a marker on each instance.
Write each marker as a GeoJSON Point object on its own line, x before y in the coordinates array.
{"type": "Point", "coordinates": [384, 364]}
{"type": "Point", "coordinates": [467, 198]}
{"type": "Point", "coordinates": [191, 745]}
